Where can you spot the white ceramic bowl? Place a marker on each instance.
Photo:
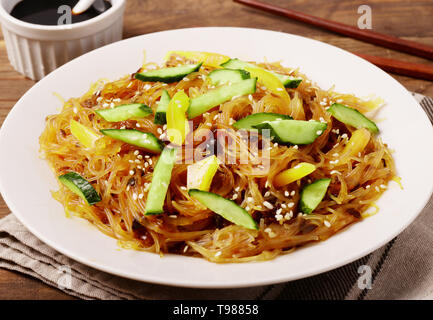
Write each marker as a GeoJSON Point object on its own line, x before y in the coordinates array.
{"type": "Point", "coordinates": [36, 50]}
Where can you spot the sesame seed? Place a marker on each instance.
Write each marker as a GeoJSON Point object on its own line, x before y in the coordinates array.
{"type": "Point", "coordinates": [319, 132]}
{"type": "Point", "coordinates": [215, 117]}
{"type": "Point", "coordinates": [237, 189]}
{"type": "Point", "coordinates": [75, 110]}
{"type": "Point", "coordinates": [131, 172]}
{"type": "Point", "coordinates": [344, 136]}
{"type": "Point", "coordinates": [275, 145]}
{"type": "Point", "coordinates": [327, 223]}
{"type": "Point", "coordinates": [267, 230]}
{"type": "Point", "coordinates": [173, 216]}
{"type": "Point", "coordinates": [279, 217]}
{"type": "Point", "coordinates": [323, 103]}
{"type": "Point", "coordinates": [367, 186]}
{"type": "Point", "coordinates": [137, 125]}
{"type": "Point", "coordinates": [134, 196]}
{"type": "Point", "coordinates": [183, 188]}
{"type": "Point", "coordinates": [279, 211]}
{"type": "Point", "coordinates": [112, 105]}
{"type": "Point", "coordinates": [280, 89]}
{"type": "Point", "coordinates": [99, 99]}
{"type": "Point", "coordinates": [336, 145]}
{"type": "Point", "coordinates": [293, 193]}
{"type": "Point", "coordinates": [247, 208]}
{"type": "Point", "coordinates": [140, 196]}
{"type": "Point", "coordinates": [140, 156]}
{"type": "Point", "coordinates": [286, 193]}
{"type": "Point", "coordinates": [146, 164]}
{"type": "Point", "coordinates": [290, 204]}
{"type": "Point", "coordinates": [127, 188]}
{"type": "Point", "coordinates": [283, 205]}
{"type": "Point", "coordinates": [268, 205]}
{"type": "Point", "coordinates": [150, 161]}
{"type": "Point", "coordinates": [250, 97]}
{"type": "Point", "coordinates": [383, 186]}
{"type": "Point", "coordinates": [336, 154]}
{"type": "Point", "coordinates": [377, 188]}
{"type": "Point", "coordinates": [235, 196]}
{"type": "Point", "coordinates": [288, 216]}
{"type": "Point", "coordinates": [295, 147]}
{"type": "Point", "coordinates": [137, 161]}
{"type": "Point", "coordinates": [335, 172]}
{"type": "Point", "coordinates": [267, 194]}
{"type": "Point", "coordinates": [218, 254]}
{"type": "Point", "coordinates": [185, 249]}
{"type": "Point", "coordinates": [250, 199]}
{"type": "Point", "coordinates": [131, 161]}
{"type": "Point", "coordinates": [159, 130]}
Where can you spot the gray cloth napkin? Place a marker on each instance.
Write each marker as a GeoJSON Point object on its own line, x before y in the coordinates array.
{"type": "Point", "coordinates": [402, 269]}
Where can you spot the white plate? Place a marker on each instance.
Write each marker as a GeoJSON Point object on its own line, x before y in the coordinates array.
{"type": "Point", "coordinates": [26, 180]}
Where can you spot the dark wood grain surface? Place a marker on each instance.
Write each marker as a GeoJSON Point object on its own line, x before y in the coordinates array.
{"type": "Point", "coordinates": [412, 20]}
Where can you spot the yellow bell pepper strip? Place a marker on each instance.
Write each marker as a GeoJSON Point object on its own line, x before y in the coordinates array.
{"type": "Point", "coordinates": [290, 175]}
{"type": "Point", "coordinates": [270, 81]}
{"type": "Point", "coordinates": [200, 174]}
{"type": "Point", "coordinates": [356, 144]}
{"type": "Point", "coordinates": [208, 58]}
{"type": "Point", "coordinates": [85, 135]}
{"type": "Point", "coordinates": [177, 123]}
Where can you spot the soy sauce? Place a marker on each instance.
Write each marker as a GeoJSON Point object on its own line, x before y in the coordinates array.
{"type": "Point", "coordinates": [46, 12]}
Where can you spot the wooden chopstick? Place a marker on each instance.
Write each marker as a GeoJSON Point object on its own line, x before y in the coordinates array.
{"type": "Point", "coordinates": [414, 48]}
{"type": "Point", "coordinates": [415, 70]}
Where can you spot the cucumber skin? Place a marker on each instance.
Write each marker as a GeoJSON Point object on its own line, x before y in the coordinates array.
{"type": "Point", "coordinates": [158, 143]}
{"type": "Point", "coordinates": [252, 224]}
{"type": "Point", "coordinates": [194, 113]}
{"type": "Point", "coordinates": [277, 139]}
{"type": "Point", "coordinates": [302, 205]}
{"type": "Point", "coordinates": [86, 190]}
{"type": "Point", "coordinates": [170, 154]}
{"type": "Point", "coordinates": [160, 113]}
{"type": "Point", "coordinates": [370, 125]}
{"type": "Point", "coordinates": [215, 76]}
{"type": "Point", "coordinates": [240, 124]}
{"type": "Point", "coordinates": [239, 64]}
{"type": "Point", "coordinates": [165, 79]}
{"type": "Point", "coordinates": [145, 109]}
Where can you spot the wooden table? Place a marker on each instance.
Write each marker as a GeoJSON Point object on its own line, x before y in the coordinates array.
{"type": "Point", "coordinates": [410, 20]}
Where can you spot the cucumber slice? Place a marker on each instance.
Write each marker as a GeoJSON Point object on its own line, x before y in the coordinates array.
{"type": "Point", "coordinates": [125, 112]}
{"type": "Point", "coordinates": [80, 186]}
{"type": "Point", "coordinates": [160, 114]}
{"type": "Point", "coordinates": [294, 131]}
{"type": "Point", "coordinates": [313, 194]}
{"type": "Point", "coordinates": [288, 81]}
{"type": "Point", "coordinates": [248, 122]}
{"type": "Point", "coordinates": [222, 76]}
{"type": "Point", "coordinates": [228, 209]}
{"type": "Point", "coordinates": [137, 138]}
{"type": "Point", "coordinates": [215, 97]}
{"type": "Point", "coordinates": [168, 75]}
{"type": "Point", "coordinates": [352, 117]}
{"type": "Point", "coordinates": [160, 181]}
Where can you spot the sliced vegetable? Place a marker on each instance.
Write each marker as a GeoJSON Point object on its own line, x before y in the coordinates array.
{"type": "Point", "coordinates": [200, 174]}
{"type": "Point", "coordinates": [294, 131]}
{"type": "Point", "coordinates": [228, 209]}
{"type": "Point", "coordinates": [208, 58]}
{"type": "Point", "coordinates": [248, 122]}
{"type": "Point", "coordinates": [85, 135]}
{"type": "Point", "coordinates": [352, 117]}
{"type": "Point", "coordinates": [356, 144]}
{"type": "Point", "coordinates": [161, 109]}
{"type": "Point", "coordinates": [160, 182]}
{"type": "Point", "coordinates": [287, 81]}
{"type": "Point", "coordinates": [270, 81]}
{"type": "Point", "coordinates": [215, 97]}
{"type": "Point", "coordinates": [125, 112]}
{"type": "Point", "coordinates": [168, 75]}
{"type": "Point", "coordinates": [80, 186]}
{"type": "Point", "coordinates": [177, 123]}
{"type": "Point", "coordinates": [223, 76]}
{"type": "Point", "coordinates": [137, 138]}
{"type": "Point", "coordinates": [293, 174]}
{"type": "Point", "coordinates": [313, 194]}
